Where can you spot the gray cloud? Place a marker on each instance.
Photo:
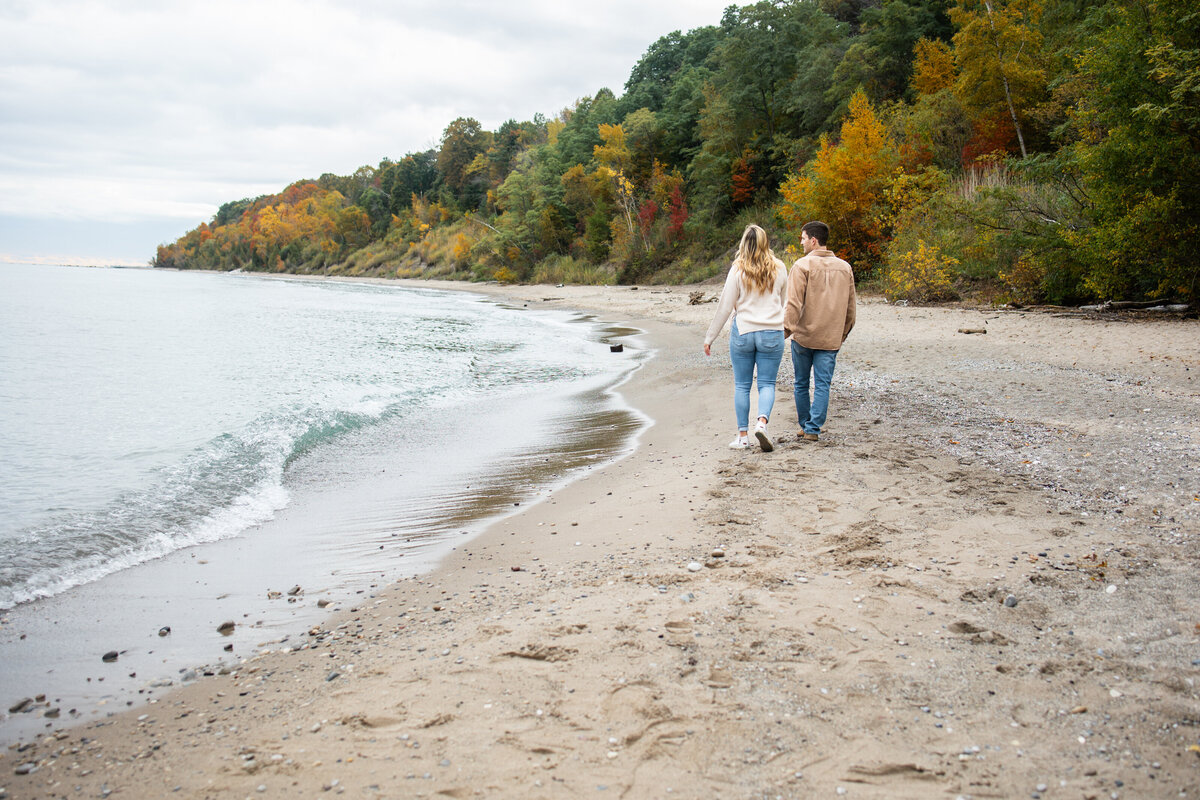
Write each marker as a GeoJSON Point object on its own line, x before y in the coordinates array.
{"type": "Point", "coordinates": [122, 110]}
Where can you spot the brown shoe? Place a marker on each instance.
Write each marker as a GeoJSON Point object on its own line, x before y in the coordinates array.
{"type": "Point", "coordinates": [810, 437]}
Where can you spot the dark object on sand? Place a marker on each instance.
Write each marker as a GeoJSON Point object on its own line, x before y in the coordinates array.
{"type": "Point", "coordinates": [111, 655]}
{"type": "Point", "coordinates": [972, 330]}
{"type": "Point", "coordinates": [616, 348]}
{"type": "Point", "coordinates": [165, 630]}
{"type": "Point", "coordinates": [226, 628]}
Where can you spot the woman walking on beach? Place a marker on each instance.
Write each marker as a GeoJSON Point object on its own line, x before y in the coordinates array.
{"type": "Point", "coordinates": [754, 293]}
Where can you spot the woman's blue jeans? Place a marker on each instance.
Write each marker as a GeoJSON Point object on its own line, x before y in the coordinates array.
{"type": "Point", "coordinates": [758, 349]}
{"type": "Point", "coordinates": [820, 363]}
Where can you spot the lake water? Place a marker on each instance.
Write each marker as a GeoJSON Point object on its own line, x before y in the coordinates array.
{"type": "Point", "coordinates": [236, 435]}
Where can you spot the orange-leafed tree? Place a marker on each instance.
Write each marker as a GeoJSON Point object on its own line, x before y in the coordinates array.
{"type": "Point", "coordinates": [847, 186]}
{"type": "Point", "coordinates": [741, 180]}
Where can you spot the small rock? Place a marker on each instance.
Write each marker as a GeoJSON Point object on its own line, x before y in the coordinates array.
{"type": "Point", "coordinates": [332, 676]}
{"type": "Point", "coordinates": [21, 706]}
{"type": "Point", "coordinates": [718, 552]}
{"type": "Point", "coordinates": [228, 648]}
{"type": "Point", "coordinates": [226, 628]}
{"type": "Point", "coordinates": [165, 630]}
{"type": "Point", "coordinates": [295, 590]}
{"type": "Point", "coordinates": [25, 769]}
{"type": "Point", "coordinates": [322, 603]}
{"type": "Point", "coordinates": [616, 348]}
{"type": "Point", "coordinates": [1112, 589]}
{"type": "Point", "coordinates": [52, 713]}
{"type": "Point", "coordinates": [1011, 601]}
{"type": "Point", "coordinates": [110, 656]}
{"type": "Point", "coordinates": [695, 566]}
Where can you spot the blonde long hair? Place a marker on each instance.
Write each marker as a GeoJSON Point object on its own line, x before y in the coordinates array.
{"type": "Point", "coordinates": [758, 263]}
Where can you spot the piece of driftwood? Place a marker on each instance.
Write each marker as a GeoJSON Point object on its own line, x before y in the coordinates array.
{"type": "Point", "coordinates": [696, 298]}
{"type": "Point", "coordinates": [1139, 305]}
{"type": "Point", "coordinates": [972, 330]}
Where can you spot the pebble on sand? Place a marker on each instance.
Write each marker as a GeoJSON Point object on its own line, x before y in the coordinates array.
{"type": "Point", "coordinates": [110, 656]}
{"type": "Point", "coordinates": [21, 706]}
{"type": "Point", "coordinates": [226, 628]}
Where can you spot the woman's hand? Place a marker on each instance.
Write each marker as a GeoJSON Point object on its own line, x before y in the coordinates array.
{"type": "Point", "coordinates": [707, 350]}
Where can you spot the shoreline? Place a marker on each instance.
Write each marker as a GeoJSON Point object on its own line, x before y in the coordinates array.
{"type": "Point", "coordinates": [52, 646]}
{"type": "Point", "coordinates": [851, 634]}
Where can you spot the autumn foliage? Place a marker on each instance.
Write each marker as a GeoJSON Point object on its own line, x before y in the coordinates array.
{"type": "Point", "coordinates": [1040, 149]}
{"type": "Point", "coordinates": [846, 186]}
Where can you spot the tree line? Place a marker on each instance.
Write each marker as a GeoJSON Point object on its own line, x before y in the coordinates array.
{"type": "Point", "coordinates": [1030, 150]}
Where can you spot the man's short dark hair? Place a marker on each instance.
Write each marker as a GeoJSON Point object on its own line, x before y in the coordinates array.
{"type": "Point", "coordinates": [818, 231]}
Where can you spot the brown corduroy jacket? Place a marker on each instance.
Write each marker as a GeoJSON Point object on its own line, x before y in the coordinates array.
{"type": "Point", "coordinates": [820, 301]}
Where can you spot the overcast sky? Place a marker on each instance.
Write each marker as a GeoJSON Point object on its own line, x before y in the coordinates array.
{"type": "Point", "coordinates": [125, 123]}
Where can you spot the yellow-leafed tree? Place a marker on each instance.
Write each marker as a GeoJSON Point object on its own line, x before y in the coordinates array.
{"type": "Point", "coordinates": [847, 187]}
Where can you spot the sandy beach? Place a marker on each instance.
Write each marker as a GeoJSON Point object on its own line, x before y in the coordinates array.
{"type": "Point", "coordinates": [981, 582]}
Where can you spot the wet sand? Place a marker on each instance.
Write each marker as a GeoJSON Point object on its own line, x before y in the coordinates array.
{"type": "Point", "coordinates": [981, 582]}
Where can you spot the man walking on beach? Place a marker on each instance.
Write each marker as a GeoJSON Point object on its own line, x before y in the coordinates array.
{"type": "Point", "coordinates": [818, 318]}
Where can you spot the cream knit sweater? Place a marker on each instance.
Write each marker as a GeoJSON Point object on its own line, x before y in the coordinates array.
{"type": "Point", "coordinates": [755, 311]}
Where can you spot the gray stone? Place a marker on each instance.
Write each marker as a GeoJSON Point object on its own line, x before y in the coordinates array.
{"type": "Point", "coordinates": [21, 706]}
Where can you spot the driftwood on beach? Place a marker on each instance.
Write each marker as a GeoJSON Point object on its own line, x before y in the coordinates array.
{"type": "Point", "coordinates": [1137, 305]}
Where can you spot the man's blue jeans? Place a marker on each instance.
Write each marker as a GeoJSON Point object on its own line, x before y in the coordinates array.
{"type": "Point", "coordinates": [761, 349]}
{"type": "Point", "coordinates": [820, 363]}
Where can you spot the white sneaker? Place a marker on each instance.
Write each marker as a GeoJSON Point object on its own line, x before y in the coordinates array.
{"type": "Point", "coordinates": [739, 444]}
{"type": "Point", "coordinates": [760, 433]}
